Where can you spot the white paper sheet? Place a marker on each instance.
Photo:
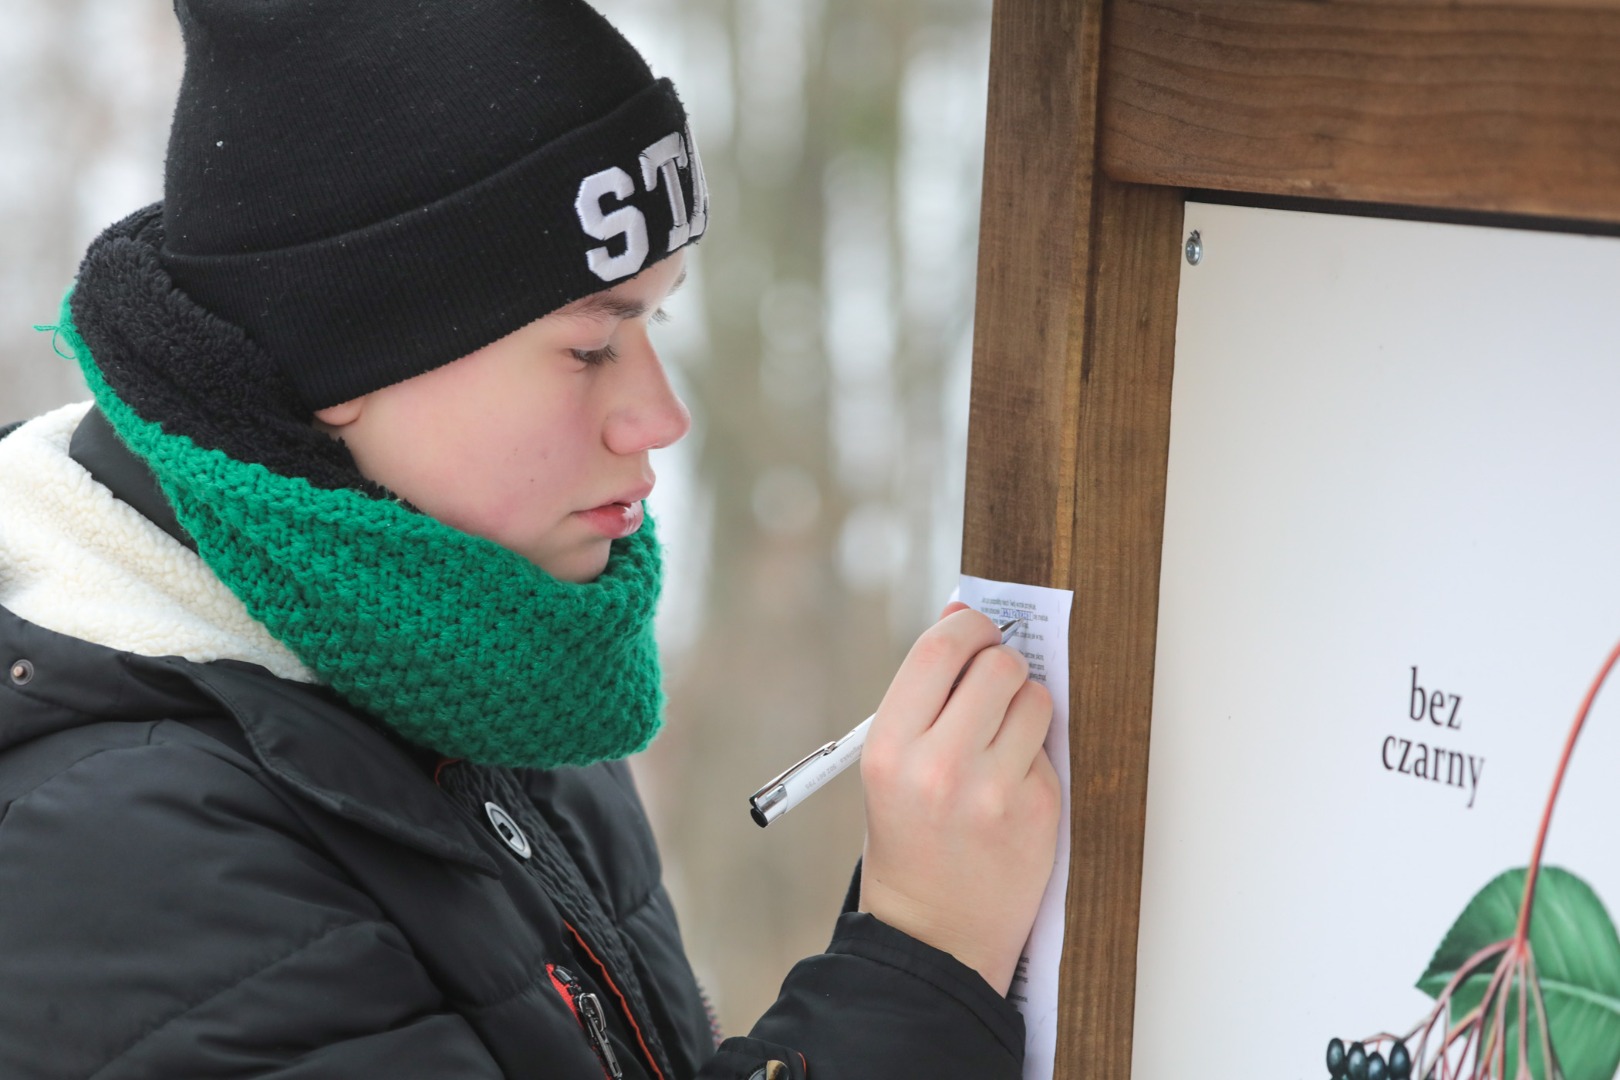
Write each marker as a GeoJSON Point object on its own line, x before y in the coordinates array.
{"type": "Point", "coordinates": [1044, 641]}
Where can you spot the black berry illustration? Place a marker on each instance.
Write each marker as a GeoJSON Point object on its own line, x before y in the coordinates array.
{"type": "Point", "coordinates": [1356, 1062]}
{"type": "Point", "coordinates": [1336, 1062]}
{"type": "Point", "coordinates": [1400, 1062]}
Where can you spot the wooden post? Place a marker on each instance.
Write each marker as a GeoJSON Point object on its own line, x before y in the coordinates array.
{"type": "Point", "coordinates": [1067, 443]}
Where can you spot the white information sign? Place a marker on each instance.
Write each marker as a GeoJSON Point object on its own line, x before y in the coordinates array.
{"type": "Point", "coordinates": [1391, 572]}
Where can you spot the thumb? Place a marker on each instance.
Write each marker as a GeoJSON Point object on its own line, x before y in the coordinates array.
{"type": "Point", "coordinates": [952, 608]}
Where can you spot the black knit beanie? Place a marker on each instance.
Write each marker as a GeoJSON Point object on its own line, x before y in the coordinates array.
{"type": "Point", "coordinates": [373, 188]}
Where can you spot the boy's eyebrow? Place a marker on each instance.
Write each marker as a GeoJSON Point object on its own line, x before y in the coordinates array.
{"type": "Point", "coordinates": [606, 305]}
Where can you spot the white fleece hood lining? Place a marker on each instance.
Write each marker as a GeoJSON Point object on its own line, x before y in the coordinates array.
{"type": "Point", "coordinates": [76, 559]}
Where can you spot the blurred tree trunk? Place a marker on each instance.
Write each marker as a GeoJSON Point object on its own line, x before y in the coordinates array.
{"type": "Point", "coordinates": [781, 646]}
{"type": "Point", "coordinates": [48, 96]}
{"type": "Point", "coordinates": [822, 429]}
{"type": "Point", "coordinates": [86, 90]}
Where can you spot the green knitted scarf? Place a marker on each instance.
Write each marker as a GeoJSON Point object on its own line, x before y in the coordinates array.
{"type": "Point", "coordinates": [455, 642]}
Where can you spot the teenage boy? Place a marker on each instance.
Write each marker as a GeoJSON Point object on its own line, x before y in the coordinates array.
{"type": "Point", "coordinates": [328, 626]}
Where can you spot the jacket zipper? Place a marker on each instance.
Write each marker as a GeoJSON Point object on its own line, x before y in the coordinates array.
{"type": "Point", "coordinates": [587, 1009]}
{"type": "Point", "coordinates": [606, 977]}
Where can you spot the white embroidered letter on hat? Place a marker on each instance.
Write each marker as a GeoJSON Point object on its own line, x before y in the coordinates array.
{"type": "Point", "coordinates": [626, 221]}
{"type": "Point", "coordinates": [661, 160]}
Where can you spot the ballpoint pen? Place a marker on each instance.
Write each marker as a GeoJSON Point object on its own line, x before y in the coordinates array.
{"type": "Point", "coordinates": [799, 781]}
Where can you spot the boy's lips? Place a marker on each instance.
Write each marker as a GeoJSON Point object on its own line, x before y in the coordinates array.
{"type": "Point", "coordinates": [614, 520]}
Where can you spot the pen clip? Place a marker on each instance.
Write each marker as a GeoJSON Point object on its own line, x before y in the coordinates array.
{"type": "Point", "coordinates": [796, 768]}
{"type": "Point", "coordinates": [770, 801]}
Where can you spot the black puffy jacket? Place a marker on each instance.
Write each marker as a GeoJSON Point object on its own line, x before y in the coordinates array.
{"type": "Point", "coordinates": [207, 871]}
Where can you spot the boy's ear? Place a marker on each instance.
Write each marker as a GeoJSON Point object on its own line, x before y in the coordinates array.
{"type": "Point", "coordinates": [336, 416]}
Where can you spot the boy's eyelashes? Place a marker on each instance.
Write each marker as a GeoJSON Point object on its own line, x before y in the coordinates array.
{"type": "Point", "coordinates": [607, 353]}
{"type": "Point", "coordinates": [592, 357]}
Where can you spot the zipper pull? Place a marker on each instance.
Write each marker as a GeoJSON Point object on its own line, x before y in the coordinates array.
{"type": "Point", "coordinates": [596, 1027]}
{"type": "Point", "coordinates": [588, 1009]}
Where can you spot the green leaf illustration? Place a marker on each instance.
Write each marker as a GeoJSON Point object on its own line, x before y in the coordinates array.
{"type": "Point", "coordinates": [1577, 956]}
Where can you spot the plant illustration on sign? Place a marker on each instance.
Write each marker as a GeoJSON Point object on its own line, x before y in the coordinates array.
{"type": "Point", "coordinates": [1526, 983]}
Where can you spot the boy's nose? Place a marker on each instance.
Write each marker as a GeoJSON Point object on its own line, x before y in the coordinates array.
{"type": "Point", "coordinates": [650, 415]}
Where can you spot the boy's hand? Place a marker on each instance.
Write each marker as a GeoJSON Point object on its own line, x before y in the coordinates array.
{"type": "Point", "coordinates": [961, 799]}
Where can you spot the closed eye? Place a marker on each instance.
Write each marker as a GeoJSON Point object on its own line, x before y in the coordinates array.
{"type": "Point", "coordinates": [594, 357]}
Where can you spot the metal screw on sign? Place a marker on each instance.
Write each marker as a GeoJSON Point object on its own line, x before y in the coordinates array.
{"type": "Point", "coordinates": [1195, 249]}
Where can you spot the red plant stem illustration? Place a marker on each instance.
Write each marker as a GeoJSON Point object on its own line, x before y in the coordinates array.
{"type": "Point", "coordinates": [1476, 1045]}
{"type": "Point", "coordinates": [1522, 931]}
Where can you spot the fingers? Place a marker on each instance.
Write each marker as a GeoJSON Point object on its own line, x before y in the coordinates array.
{"type": "Point", "coordinates": [1022, 736]}
{"type": "Point", "coordinates": [924, 681]}
{"type": "Point", "coordinates": [978, 706]}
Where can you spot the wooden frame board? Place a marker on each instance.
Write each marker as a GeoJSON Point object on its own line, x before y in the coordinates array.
{"type": "Point", "coordinates": [1509, 107]}
{"type": "Point", "coordinates": [1102, 114]}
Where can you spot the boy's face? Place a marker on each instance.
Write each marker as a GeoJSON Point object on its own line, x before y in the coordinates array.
{"type": "Point", "coordinates": [539, 441]}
